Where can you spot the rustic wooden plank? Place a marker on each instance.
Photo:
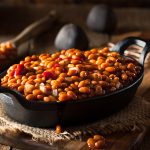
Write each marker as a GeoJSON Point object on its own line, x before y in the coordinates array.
{"type": "Point", "coordinates": [22, 141]}
{"type": "Point", "coordinates": [123, 141]}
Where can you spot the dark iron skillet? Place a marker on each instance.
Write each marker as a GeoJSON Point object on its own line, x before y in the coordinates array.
{"type": "Point", "coordinates": [42, 114]}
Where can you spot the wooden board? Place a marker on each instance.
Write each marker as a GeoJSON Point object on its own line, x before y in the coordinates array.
{"type": "Point", "coordinates": [117, 141]}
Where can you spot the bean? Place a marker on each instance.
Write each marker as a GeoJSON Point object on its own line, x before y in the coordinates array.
{"type": "Point", "coordinates": [13, 80]}
{"type": "Point", "coordinates": [104, 65]}
{"type": "Point", "coordinates": [32, 77]}
{"type": "Point", "coordinates": [18, 77]}
{"type": "Point", "coordinates": [63, 97]}
{"type": "Point", "coordinates": [107, 73]}
{"type": "Point", "coordinates": [104, 83]}
{"type": "Point", "coordinates": [21, 88]}
{"type": "Point", "coordinates": [52, 98]}
{"type": "Point", "coordinates": [105, 50]}
{"type": "Point", "coordinates": [9, 45]}
{"type": "Point", "coordinates": [67, 89]}
{"type": "Point", "coordinates": [91, 143]}
{"type": "Point", "coordinates": [93, 61]}
{"type": "Point", "coordinates": [74, 86]}
{"type": "Point", "coordinates": [71, 65]}
{"type": "Point", "coordinates": [18, 81]}
{"type": "Point", "coordinates": [14, 85]}
{"type": "Point", "coordinates": [83, 83]}
{"type": "Point", "coordinates": [99, 89]}
{"type": "Point", "coordinates": [62, 75]}
{"type": "Point", "coordinates": [98, 137]}
{"type": "Point", "coordinates": [83, 74]}
{"type": "Point", "coordinates": [130, 66]}
{"type": "Point", "coordinates": [89, 67]}
{"type": "Point", "coordinates": [117, 64]}
{"type": "Point", "coordinates": [110, 69]}
{"type": "Point", "coordinates": [75, 78]}
{"type": "Point", "coordinates": [99, 61]}
{"type": "Point", "coordinates": [75, 61]}
{"type": "Point", "coordinates": [37, 92]}
{"type": "Point", "coordinates": [113, 89]}
{"type": "Point", "coordinates": [116, 79]}
{"type": "Point", "coordinates": [94, 82]}
{"type": "Point", "coordinates": [99, 144]}
{"type": "Point", "coordinates": [40, 97]}
{"type": "Point", "coordinates": [39, 75]}
{"type": "Point", "coordinates": [30, 97]}
{"type": "Point", "coordinates": [29, 88]}
{"type": "Point", "coordinates": [74, 74]}
{"type": "Point", "coordinates": [24, 81]}
{"type": "Point", "coordinates": [55, 84]}
{"type": "Point", "coordinates": [29, 74]}
{"type": "Point", "coordinates": [92, 56]}
{"type": "Point", "coordinates": [50, 64]}
{"type": "Point", "coordinates": [122, 67]}
{"type": "Point", "coordinates": [5, 78]}
{"type": "Point", "coordinates": [124, 76]}
{"type": "Point", "coordinates": [72, 94]}
{"type": "Point", "coordinates": [58, 129]}
{"type": "Point", "coordinates": [120, 60]}
{"type": "Point", "coordinates": [113, 54]}
{"type": "Point", "coordinates": [47, 99]}
{"type": "Point", "coordinates": [84, 90]}
{"type": "Point", "coordinates": [60, 79]}
{"type": "Point", "coordinates": [110, 60]}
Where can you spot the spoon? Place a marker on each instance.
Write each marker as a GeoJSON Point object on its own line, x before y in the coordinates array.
{"type": "Point", "coordinates": [9, 49]}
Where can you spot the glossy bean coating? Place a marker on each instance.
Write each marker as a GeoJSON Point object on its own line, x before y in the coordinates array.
{"type": "Point", "coordinates": [70, 74]}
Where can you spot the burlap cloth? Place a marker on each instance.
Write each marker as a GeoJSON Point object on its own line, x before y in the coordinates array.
{"type": "Point", "coordinates": [135, 115]}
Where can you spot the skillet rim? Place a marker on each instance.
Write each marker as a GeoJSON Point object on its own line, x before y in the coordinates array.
{"type": "Point", "coordinates": [26, 104]}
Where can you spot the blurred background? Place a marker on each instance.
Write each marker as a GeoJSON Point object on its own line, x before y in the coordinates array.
{"type": "Point", "coordinates": [117, 3]}
{"type": "Point", "coordinates": [132, 19]}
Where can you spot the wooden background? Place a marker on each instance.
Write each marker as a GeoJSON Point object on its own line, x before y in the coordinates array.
{"type": "Point", "coordinates": [118, 3]}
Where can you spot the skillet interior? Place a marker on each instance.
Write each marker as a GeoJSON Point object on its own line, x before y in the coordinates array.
{"type": "Point", "coordinates": [42, 114]}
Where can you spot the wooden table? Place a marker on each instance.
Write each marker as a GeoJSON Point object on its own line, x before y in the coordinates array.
{"type": "Point", "coordinates": [118, 141]}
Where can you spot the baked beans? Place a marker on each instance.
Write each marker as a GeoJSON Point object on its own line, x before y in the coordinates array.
{"type": "Point", "coordinates": [71, 74]}
{"type": "Point", "coordinates": [96, 142]}
{"type": "Point", "coordinates": [8, 53]}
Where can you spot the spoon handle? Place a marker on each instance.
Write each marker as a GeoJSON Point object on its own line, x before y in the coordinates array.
{"type": "Point", "coordinates": [35, 29]}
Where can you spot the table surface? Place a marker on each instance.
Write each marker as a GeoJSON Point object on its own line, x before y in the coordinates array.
{"type": "Point", "coordinates": [129, 27]}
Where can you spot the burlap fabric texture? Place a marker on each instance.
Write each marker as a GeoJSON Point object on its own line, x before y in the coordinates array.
{"type": "Point", "coordinates": [135, 115]}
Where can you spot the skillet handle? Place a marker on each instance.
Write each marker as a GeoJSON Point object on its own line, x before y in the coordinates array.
{"type": "Point", "coordinates": [124, 44]}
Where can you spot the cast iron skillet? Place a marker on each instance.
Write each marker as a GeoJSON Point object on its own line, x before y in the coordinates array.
{"type": "Point", "coordinates": [42, 114]}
